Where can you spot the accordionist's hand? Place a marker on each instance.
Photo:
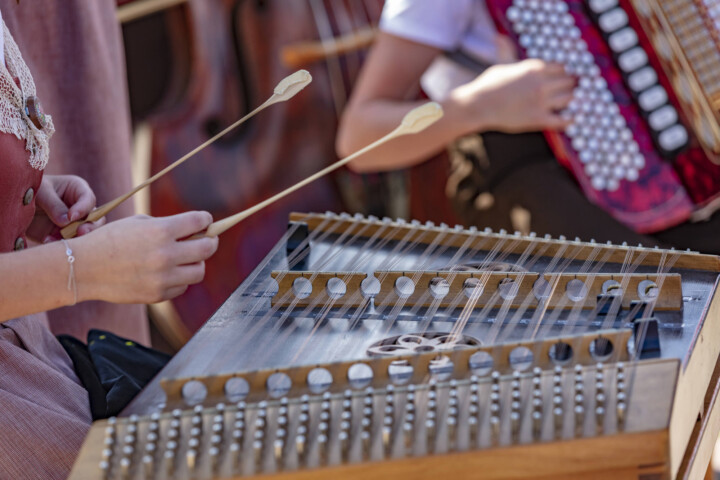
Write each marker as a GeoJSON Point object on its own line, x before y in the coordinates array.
{"type": "Point", "coordinates": [518, 97]}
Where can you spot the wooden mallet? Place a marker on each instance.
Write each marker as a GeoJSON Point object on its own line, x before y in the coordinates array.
{"type": "Point", "coordinates": [414, 121]}
{"type": "Point", "coordinates": [284, 91]}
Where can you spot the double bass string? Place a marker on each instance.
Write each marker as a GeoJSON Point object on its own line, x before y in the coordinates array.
{"type": "Point", "coordinates": [327, 39]}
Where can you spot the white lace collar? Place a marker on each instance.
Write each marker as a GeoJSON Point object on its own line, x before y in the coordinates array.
{"type": "Point", "coordinates": [13, 117]}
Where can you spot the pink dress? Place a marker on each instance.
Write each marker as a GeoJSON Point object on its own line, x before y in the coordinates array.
{"type": "Point", "coordinates": [44, 410]}
{"type": "Point", "coordinates": [74, 50]}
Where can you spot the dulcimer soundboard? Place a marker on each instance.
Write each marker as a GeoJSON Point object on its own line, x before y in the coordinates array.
{"type": "Point", "coordinates": [378, 348]}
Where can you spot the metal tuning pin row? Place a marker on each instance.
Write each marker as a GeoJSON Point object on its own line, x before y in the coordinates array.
{"type": "Point", "coordinates": [495, 407]}
{"type": "Point", "coordinates": [452, 415]}
{"type": "Point", "coordinates": [259, 439]}
{"type": "Point", "coordinates": [600, 397]}
{"type": "Point", "coordinates": [323, 434]}
{"type": "Point", "coordinates": [356, 425]}
{"type": "Point", "coordinates": [515, 406]}
{"type": "Point", "coordinates": [366, 422]}
{"type": "Point", "coordinates": [558, 402]}
{"type": "Point", "coordinates": [537, 403]}
{"type": "Point", "coordinates": [346, 416]}
{"type": "Point", "coordinates": [579, 401]}
{"type": "Point", "coordinates": [474, 413]}
{"type": "Point", "coordinates": [620, 395]}
{"type": "Point", "coordinates": [409, 420]}
{"type": "Point", "coordinates": [280, 443]}
{"type": "Point", "coordinates": [303, 428]}
{"type": "Point", "coordinates": [431, 418]}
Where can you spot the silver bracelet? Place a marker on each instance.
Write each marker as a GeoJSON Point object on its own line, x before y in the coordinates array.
{"type": "Point", "coordinates": [72, 285]}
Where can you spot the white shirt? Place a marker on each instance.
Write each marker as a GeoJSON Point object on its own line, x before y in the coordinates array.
{"type": "Point", "coordinates": [451, 25]}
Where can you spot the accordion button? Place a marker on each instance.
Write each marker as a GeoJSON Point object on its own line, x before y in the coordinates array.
{"type": "Point", "coordinates": [602, 6]}
{"type": "Point", "coordinates": [633, 60]}
{"type": "Point", "coordinates": [613, 20]}
{"type": "Point", "coordinates": [674, 138]}
{"type": "Point", "coordinates": [623, 40]}
{"type": "Point", "coordinates": [598, 182]}
{"type": "Point", "coordinates": [643, 79]}
{"type": "Point", "coordinates": [663, 118]}
{"type": "Point", "coordinates": [653, 98]}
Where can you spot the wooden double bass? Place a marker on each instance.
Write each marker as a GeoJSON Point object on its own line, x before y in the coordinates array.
{"type": "Point", "coordinates": [235, 61]}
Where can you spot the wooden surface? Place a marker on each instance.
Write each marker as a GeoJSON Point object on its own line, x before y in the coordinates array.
{"type": "Point", "coordinates": [520, 244]}
{"type": "Point", "coordinates": [629, 456]}
{"type": "Point", "coordinates": [691, 394]}
{"type": "Point", "coordinates": [522, 284]}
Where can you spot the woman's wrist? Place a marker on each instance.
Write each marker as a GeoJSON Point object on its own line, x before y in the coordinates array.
{"type": "Point", "coordinates": [464, 112]}
{"type": "Point", "coordinates": [86, 278]}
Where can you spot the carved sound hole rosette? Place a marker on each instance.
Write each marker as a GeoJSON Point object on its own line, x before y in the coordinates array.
{"type": "Point", "coordinates": [400, 371]}
{"type": "Point", "coordinates": [487, 267]}
{"type": "Point", "coordinates": [421, 343]}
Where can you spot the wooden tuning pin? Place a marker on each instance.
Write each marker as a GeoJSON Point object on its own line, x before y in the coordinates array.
{"type": "Point", "coordinates": [495, 407]}
{"type": "Point", "coordinates": [579, 401]}
{"type": "Point", "coordinates": [558, 402]}
{"type": "Point", "coordinates": [537, 403]}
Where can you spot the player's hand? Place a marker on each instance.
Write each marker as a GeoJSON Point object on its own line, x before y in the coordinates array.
{"type": "Point", "coordinates": [60, 200]}
{"type": "Point", "coordinates": [142, 259]}
{"type": "Point", "coordinates": [517, 97]}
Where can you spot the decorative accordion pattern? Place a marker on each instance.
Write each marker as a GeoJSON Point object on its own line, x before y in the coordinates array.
{"type": "Point", "coordinates": [376, 348]}
{"type": "Point", "coordinates": [645, 133]}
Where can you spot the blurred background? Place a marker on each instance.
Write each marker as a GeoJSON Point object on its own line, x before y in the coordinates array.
{"type": "Point", "coordinates": [194, 67]}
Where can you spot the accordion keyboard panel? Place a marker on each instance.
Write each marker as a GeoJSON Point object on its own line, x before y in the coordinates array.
{"type": "Point", "coordinates": [645, 132]}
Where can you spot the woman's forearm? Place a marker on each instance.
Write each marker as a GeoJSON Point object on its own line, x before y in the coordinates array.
{"type": "Point", "coordinates": [34, 280]}
{"type": "Point", "coordinates": [365, 123]}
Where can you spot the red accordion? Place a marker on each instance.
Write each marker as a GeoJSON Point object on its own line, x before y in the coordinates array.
{"type": "Point", "coordinates": [644, 143]}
